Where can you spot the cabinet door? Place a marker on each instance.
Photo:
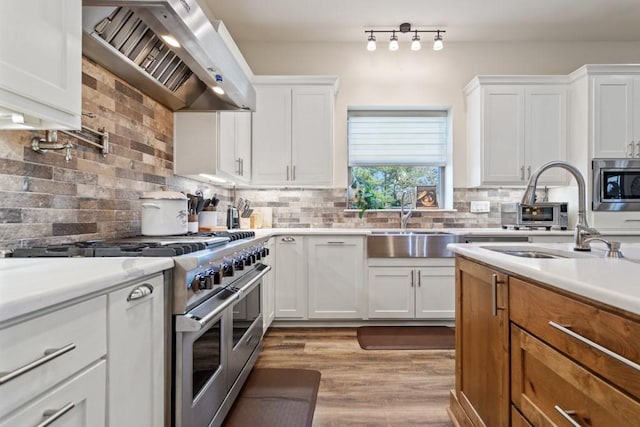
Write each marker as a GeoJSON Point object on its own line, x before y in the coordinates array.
{"type": "Point", "coordinates": [136, 347]}
{"type": "Point", "coordinates": [195, 136]}
{"type": "Point", "coordinates": [613, 116]}
{"type": "Point", "coordinates": [227, 156]}
{"type": "Point", "coordinates": [335, 272]}
{"type": "Point", "coordinates": [77, 402]}
{"type": "Point", "coordinates": [291, 284]}
{"type": "Point", "coordinates": [243, 144]}
{"type": "Point", "coordinates": [391, 292]}
{"type": "Point", "coordinates": [503, 155]}
{"type": "Point", "coordinates": [271, 149]}
{"type": "Point", "coordinates": [435, 293]}
{"type": "Point", "coordinates": [482, 343]}
{"type": "Point", "coordinates": [41, 61]}
{"type": "Point", "coordinates": [546, 131]}
{"type": "Point", "coordinates": [234, 144]}
{"type": "Point", "coordinates": [312, 135]}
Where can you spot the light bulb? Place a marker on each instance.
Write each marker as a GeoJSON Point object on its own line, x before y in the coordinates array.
{"type": "Point", "coordinates": [437, 42]}
{"type": "Point", "coordinates": [393, 43]}
{"type": "Point", "coordinates": [218, 90]}
{"type": "Point", "coordinates": [371, 44]}
{"type": "Point", "coordinates": [171, 41]}
{"type": "Point", "coordinates": [415, 42]}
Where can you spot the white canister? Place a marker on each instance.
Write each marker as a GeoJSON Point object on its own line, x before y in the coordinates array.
{"type": "Point", "coordinates": [164, 213]}
{"type": "Point", "coordinates": [208, 218]}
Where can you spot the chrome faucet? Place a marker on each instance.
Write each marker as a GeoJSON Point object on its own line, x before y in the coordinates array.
{"type": "Point", "coordinates": [582, 229]}
{"type": "Point", "coordinates": [404, 217]}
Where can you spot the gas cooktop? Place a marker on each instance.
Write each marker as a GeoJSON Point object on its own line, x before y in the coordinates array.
{"type": "Point", "coordinates": [139, 246]}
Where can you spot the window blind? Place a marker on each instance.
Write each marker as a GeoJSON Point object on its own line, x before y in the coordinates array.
{"type": "Point", "coordinates": [379, 138]}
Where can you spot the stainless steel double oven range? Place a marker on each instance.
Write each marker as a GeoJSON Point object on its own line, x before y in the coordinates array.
{"type": "Point", "coordinates": [216, 321]}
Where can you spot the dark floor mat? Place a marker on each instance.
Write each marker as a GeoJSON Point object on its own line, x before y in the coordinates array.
{"type": "Point", "coordinates": [406, 338]}
{"type": "Point", "coordinates": [276, 397]}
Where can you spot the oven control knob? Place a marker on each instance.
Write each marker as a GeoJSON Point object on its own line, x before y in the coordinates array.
{"type": "Point", "coordinates": [238, 263]}
{"type": "Point", "coordinates": [216, 276]}
{"type": "Point", "coordinates": [246, 257]}
{"type": "Point", "coordinates": [197, 283]}
{"type": "Point", "coordinates": [256, 253]}
{"type": "Point", "coordinates": [227, 269]}
{"type": "Point", "coordinates": [264, 252]}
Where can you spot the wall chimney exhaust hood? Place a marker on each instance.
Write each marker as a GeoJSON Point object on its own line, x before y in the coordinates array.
{"type": "Point", "coordinates": [169, 50]}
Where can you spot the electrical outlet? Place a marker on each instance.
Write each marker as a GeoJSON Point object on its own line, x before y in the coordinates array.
{"type": "Point", "coordinates": [480, 206]}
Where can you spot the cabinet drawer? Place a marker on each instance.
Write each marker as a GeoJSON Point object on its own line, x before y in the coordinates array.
{"type": "Point", "coordinates": [533, 307]}
{"type": "Point", "coordinates": [545, 383]}
{"type": "Point", "coordinates": [78, 332]}
{"type": "Point", "coordinates": [80, 401]}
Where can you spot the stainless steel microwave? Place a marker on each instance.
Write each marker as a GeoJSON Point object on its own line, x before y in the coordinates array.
{"type": "Point", "coordinates": [541, 215]}
{"type": "Point", "coordinates": [616, 184]}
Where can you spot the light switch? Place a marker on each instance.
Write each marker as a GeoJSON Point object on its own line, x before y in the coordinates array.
{"type": "Point", "coordinates": [480, 206]}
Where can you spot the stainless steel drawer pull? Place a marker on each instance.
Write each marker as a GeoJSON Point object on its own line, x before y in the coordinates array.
{"type": "Point", "coordinates": [140, 292]}
{"type": "Point", "coordinates": [335, 243]}
{"type": "Point", "coordinates": [412, 277]}
{"type": "Point", "coordinates": [288, 239]}
{"type": "Point", "coordinates": [595, 345]}
{"type": "Point", "coordinates": [567, 416]}
{"type": "Point", "coordinates": [419, 279]}
{"type": "Point", "coordinates": [53, 414]}
{"type": "Point", "coordinates": [49, 355]}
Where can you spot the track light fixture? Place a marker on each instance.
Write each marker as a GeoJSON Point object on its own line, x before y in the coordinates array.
{"type": "Point", "coordinates": [405, 28]}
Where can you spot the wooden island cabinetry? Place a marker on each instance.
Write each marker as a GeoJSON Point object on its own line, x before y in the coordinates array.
{"type": "Point", "coordinates": [566, 360]}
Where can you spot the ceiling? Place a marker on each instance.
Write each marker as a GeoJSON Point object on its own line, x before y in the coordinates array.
{"type": "Point", "coordinates": [463, 20]}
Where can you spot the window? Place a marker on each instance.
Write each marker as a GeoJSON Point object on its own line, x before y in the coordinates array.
{"type": "Point", "coordinates": [395, 150]}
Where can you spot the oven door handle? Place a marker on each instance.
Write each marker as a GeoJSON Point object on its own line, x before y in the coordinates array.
{"type": "Point", "coordinates": [248, 287]}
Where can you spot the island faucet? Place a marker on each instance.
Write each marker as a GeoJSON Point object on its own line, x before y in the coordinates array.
{"type": "Point", "coordinates": [582, 229]}
{"type": "Point", "coordinates": [404, 217]}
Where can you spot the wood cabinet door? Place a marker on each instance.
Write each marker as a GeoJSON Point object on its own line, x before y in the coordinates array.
{"type": "Point", "coordinates": [391, 293]}
{"type": "Point", "coordinates": [136, 348]}
{"type": "Point", "coordinates": [482, 343]}
{"type": "Point", "coordinates": [336, 271]}
{"type": "Point", "coordinates": [291, 283]}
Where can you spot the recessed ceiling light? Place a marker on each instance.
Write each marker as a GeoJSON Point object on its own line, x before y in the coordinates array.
{"type": "Point", "coordinates": [218, 90]}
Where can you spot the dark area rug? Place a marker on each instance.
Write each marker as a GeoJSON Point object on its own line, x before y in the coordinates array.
{"type": "Point", "coordinates": [406, 338]}
{"type": "Point", "coordinates": [274, 397]}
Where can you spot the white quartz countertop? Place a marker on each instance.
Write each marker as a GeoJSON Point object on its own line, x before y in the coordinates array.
{"type": "Point", "coordinates": [31, 284]}
{"type": "Point", "coordinates": [614, 282]}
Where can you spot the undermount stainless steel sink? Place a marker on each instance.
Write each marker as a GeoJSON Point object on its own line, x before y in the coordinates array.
{"type": "Point", "coordinates": [538, 252]}
{"type": "Point", "coordinates": [410, 244]}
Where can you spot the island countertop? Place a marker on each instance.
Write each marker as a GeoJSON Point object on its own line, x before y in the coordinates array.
{"type": "Point", "coordinates": [614, 282]}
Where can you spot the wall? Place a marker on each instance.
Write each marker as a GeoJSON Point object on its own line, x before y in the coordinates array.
{"type": "Point", "coordinates": [425, 77]}
{"type": "Point", "coordinates": [47, 200]}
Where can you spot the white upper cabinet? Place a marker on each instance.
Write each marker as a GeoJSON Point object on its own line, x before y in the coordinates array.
{"type": "Point", "coordinates": [40, 64]}
{"type": "Point", "coordinates": [293, 131]}
{"type": "Point", "coordinates": [213, 143]}
{"type": "Point", "coordinates": [234, 144]}
{"type": "Point", "coordinates": [514, 125]}
{"type": "Point", "coordinates": [616, 116]}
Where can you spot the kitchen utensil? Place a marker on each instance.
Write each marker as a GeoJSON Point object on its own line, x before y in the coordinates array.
{"type": "Point", "coordinates": [164, 213]}
{"type": "Point", "coordinates": [215, 200]}
{"type": "Point", "coordinates": [246, 210]}
{"type": "Point", "coordinates": [233, 219]}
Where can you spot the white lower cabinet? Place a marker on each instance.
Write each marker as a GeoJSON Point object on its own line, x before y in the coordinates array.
{"type": "Point", "coordinates": [78, 402]}
{"type": "Point", "coordinates": [412, 289]}
{"type": "Point", "coordinates": [136, 362]}
{"type": "Point", "coordinates": [336, 277]}
{"type": "Point", "coordinates": [290, 277]}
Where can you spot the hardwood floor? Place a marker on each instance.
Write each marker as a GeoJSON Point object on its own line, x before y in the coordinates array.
{"type": "Point", "coordinates": [365, 387]}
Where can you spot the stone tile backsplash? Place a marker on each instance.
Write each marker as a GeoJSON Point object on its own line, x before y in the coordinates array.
{"type": "Point", "coordinates": [46, 200]}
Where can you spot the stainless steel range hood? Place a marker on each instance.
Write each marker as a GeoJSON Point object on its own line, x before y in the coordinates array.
{"type": "Point", "coordinates": [127, 38]}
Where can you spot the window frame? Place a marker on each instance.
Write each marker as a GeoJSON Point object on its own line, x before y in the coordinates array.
{"type": "Point", "coordinates": [446, 174]}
